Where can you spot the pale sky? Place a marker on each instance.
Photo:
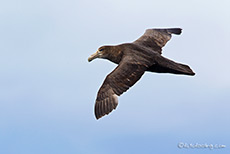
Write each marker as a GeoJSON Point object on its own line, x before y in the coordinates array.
{"type": "Point", "coordinates": [48, 88]}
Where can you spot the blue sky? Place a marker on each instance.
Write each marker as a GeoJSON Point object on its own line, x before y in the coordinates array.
{"type": "Point", "coordinates": [48, 88]}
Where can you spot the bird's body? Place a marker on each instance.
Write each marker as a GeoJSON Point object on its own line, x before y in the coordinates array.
{"type": "Point", "coordinates": [133, 60]}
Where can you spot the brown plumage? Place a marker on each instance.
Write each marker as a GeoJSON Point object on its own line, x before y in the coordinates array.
{"type": "Point", "coordinates": [134, 59]}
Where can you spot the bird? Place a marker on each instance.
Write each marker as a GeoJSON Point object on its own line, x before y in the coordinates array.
{"type": "Point", "coordinates": [134, 59]}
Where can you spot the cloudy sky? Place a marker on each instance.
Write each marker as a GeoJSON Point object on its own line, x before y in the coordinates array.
{"type": "Point", "coordinates": [48, 89]}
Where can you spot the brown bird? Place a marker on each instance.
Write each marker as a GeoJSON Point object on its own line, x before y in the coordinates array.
{"type": "Point", "coordinates": [133, 60]}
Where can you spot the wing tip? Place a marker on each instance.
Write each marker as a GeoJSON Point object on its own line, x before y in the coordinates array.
{"type": "Point", "coordinates": [105, 106]}
{"type": "Point", "coordinates": [176, 31]}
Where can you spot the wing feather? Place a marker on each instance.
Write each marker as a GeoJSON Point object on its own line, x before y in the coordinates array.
{"type": "Point", "coordinates": [125, 75]}
{"type": "Point", "coordinates": [157, 38]}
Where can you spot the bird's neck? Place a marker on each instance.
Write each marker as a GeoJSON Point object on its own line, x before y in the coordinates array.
{"type": "Point", "coordinates": [116, 54]}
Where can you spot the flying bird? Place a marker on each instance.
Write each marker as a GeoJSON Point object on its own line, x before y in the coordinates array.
{"type": "Point", "coordinates": [133, 60]}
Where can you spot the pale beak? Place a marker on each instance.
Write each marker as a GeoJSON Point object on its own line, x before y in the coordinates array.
{"type": "Point", "coordinates": [93, 56]}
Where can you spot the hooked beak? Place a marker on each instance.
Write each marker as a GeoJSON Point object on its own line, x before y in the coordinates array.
{"type": "Point", "coordinates": [93, 56]}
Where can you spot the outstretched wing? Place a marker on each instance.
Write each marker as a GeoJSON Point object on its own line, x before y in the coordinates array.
{"type": "Point", "coordinates": [157, 38]}
{"type": "Point", "coordinates": [125, 75]}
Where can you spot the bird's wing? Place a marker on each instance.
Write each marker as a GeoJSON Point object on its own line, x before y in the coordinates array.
{"type": "Point", "coordinates": [157, 38]}
{"type": "Point", "coordinates": [125, 75]}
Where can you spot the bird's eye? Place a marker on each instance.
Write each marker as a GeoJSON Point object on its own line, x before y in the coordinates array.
{"type": "Point", "coordinates": [101, 49]}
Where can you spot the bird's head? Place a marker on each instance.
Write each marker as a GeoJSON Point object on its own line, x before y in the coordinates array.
{"type": "Point", "coordinates": [102, 52]}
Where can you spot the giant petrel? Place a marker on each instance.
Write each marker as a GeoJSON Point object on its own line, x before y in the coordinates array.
{"type": "Point", "coordinates": [133, 60]}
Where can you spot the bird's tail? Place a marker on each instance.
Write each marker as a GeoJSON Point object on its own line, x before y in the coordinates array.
{"type": "Point", "coordinates": [164, 65]}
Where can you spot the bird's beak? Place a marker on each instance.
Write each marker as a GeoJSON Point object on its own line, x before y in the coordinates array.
{"type": "Point", "coordinates": [93, 56]}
